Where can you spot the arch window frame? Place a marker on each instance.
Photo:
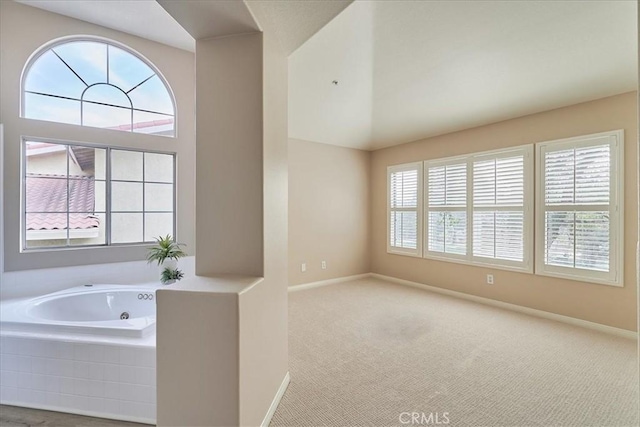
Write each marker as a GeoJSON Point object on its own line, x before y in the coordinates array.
{"type": "Point", "coordinates": [50, 46]}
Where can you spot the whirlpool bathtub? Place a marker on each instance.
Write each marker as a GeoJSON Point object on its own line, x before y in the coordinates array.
{"type": "Point", "coordinates": [111, 310]}
{"type": "Point", "coordinates": [88, 350]}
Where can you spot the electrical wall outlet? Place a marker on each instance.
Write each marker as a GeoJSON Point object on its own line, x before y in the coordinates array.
{"type": "Point", "coordinates": [324, 265]}
{"type": "Point", "coordinates": [489, 279]}
{"type": "Point", "coordinates": [303, 267]}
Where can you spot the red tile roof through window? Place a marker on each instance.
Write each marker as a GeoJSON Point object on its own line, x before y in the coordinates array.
{"type": "Point", "coordinates": [47, 202]}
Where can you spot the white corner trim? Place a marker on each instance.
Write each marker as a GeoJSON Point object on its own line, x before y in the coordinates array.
{"type": "Point", "coordinates": [312, 285]}
{"type": "Point", "coordinates": [276, 400]}
{"type": "Point", "coordinates": [513, 307]}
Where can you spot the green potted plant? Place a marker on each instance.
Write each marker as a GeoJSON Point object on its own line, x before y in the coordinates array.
{"type": "Point", "coordinates": [166, 253]}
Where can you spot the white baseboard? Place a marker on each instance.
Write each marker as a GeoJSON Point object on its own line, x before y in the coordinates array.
{"type": "Point", "coordinates": [526, 310]}
{"type": "Point", "coordinates": [276, 401]}
{"type": "Point", "coordinates": [312, 285]}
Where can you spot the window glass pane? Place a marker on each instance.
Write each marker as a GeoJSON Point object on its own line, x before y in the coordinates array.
{"type": "Point", "coordinates": [51, 109]}
{"type": "Point", "coordinates": [592, 175]}
{"type": "Point", "coordinates": [86, 162]}
{"type": "Point", "coordinates": [49, 75]}
{"type": "Point", "coordinates": [484, 229]}
{"type": "Point", "coordinates": [46, 230]}
{"type": "Point", "coordinates": [157, 224]}
{"type": "Point", "coordinates": [498, 235]}
{"type": "Point", "coordinates": [484, 183]}
{"type": "Point", "coordinates": [87, 59]}
{"type": "Point", "coordinates": [592, 240]}
{"type": "Point", "coordinates": [82, 194]}
{"type": "Point", "coordinates": [158, 167]}
{"type": "Point", "coordinates": [456, 185]}
{"type": "Point", "coordinates": [158, 197]}
{"type": "Point", "coordinates": [106, 94]}
{"type": "Point", "coordinates": [436, 231]}
{"type": "Point", "coordinates": [559, 238]}
{"type": "Point", "coordinates": [102, 116]}
{"type": "Point", "coordinates": [100, 161]}
{"type": "Point", "coordinates": [403, 230]}
{"type": "Point", "coordinates": [510, 181]}
{"type": "Point", "coordinates": [126, 165]}
{"type": "Point", "coordinates": [101, 196]}
{"type": "Point", "coordinates": [404, 189]}
{"type": "Point", "coordinates": [46, 194]}
{"type": "Point", "coordinates": [125, 70]}
{"type": "Point", "coordinates": [152, 96]}
{"type": "Point", "coordinates": [126, 196]}
{"type": "Point", "coordinates": [153, 124]}
{"type": "Point", "coordinates": [87, 229]}
{"type": "Point", "coordinates": [448, 185]}
{"type": "Point", "coordinates": [436, 186]}
{"type": "Point", "coordinates": [559, 177]}
{"type": "Point", "coordinates": [46, 159]}
{"type": "Point", "coordinates": [456, 233]}
{"type": "Point", "coordinates": [126, 227]}
{"type": "Point", "coordinates": [510, 236]}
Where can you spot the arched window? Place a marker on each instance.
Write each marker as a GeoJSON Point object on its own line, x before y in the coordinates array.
{"type": "Point", "coordinates": [97, 83]}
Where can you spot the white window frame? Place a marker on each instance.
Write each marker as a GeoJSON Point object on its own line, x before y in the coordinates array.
{"type": "Point", "coordinates": [53, 234]}
{"type": "Point", "coordinates": [615, 276]}
{"type": "Point", "coordinates": [526, 266]}
{"type": "Point", "coordinates": [418, 209]}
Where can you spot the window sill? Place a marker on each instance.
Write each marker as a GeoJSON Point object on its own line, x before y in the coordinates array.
{"type": "Point", "coordinates": [580, 278]}
{"type": "Point", "coordinates": [399, 252]}
{"type": "Point", "coordinates": [50, 249]}
{"type": "Point", "coordinates": [481, 264]}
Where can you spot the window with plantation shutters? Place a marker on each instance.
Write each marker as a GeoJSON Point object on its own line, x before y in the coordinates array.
{"type": "Point", "coordinates": [405, 209]}
{"type": "Point", "coordinates": [479, 208]}
{"type": "Point", "coordinates": [579, 217]}
{"type": "Point", "coordinates": [502, 210]}
{"type": "Point", "coordinates": [446, 212]}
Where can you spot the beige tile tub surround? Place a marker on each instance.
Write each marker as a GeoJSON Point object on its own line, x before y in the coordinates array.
{"type": "Point", "coordinates": [608, 305]}
{"type": "Point", "coordinates": [328, 211]}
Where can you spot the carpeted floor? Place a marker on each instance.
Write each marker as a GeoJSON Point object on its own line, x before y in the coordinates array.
{"type": "Point", "coordinates": [370, 353]}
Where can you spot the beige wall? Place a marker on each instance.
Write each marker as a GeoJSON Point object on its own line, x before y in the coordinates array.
{"type": "Point", "coordinates": [328, 211]}
{"type": "Point", "coordinates": [24, 29]}
{"type": "Point", "coordinates": [608, 305]}
{"type": "Point", "coordinates": [264, 352]}
{"type": "Point", "coordinates": [229, 155]}
{"type": "Point", "coordinates": [242, 229]}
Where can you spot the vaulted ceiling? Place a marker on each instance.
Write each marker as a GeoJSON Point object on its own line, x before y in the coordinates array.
{"type": "Point", "coordinates": [386, 73]}
{"type": "Point", "coordinates": [389, 72]}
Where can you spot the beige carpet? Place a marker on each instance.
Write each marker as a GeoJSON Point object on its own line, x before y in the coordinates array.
{"type": "Point", "coordinates": [363, 353]}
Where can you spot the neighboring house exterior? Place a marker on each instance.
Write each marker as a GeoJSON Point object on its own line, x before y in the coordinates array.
{"type": "Point", "coordinates": [47, 183]}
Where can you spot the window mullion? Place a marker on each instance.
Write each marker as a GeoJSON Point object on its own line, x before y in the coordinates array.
{"type": "Point", "coordinates": [68, 155]}
{"type": "Point", "coordinates": [108, 196]}
{"type": "Point", "coordinates": [469, 208]}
